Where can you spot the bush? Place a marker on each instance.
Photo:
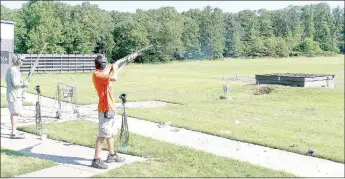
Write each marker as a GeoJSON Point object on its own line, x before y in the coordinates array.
{"type": "Point", "coordinates": [270, 46]}
{"type": "Point", "coordinates": [282, 48]}
{"type": "Point", "coordinates": [327, 53]}
{"type": "Point", "coordinates": [310, 48]}
{"type": "Point", "coordinates": [262, 90]}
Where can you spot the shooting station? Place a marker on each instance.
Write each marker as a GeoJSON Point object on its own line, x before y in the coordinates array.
{"type": "Point", "coordinates": [297, 79]}
{"type": "Point", "coordinates": [66, 91]}
{"type": "Point", "coordinates": [124, 133]}
{"type": "Point", "coordinates": [38, 116]}
{"type": "Point", "coordinates": [7, 46]}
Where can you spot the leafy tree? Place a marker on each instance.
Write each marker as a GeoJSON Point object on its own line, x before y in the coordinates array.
{"type": "Point", "coordinates": [129, 37]}
{"type": "Point", "coordinates": [233, 38]}
{"type": "Point", "coordinates": [42, 27]}
{"type": "Point", "coordinates": [206, 33]}
{"type": "Point", "coordinates": [190, 39]}
{"type": "Point", "coordinates": [212, 32]}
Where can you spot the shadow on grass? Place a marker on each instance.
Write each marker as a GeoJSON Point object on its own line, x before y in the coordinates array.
{"type": "Point", "coordinates": [11, 152]}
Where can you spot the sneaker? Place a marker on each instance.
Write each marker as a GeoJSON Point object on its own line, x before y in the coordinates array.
{"type": "Point", "coordinates": [98, 163]}
{"type": "Point", "coordinates": [114, 158]}
{"type": "Point", "coordinates": [17, 136]}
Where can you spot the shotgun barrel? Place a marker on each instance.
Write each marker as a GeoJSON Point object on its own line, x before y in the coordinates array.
{"type": "Point", "coordinates": [123, 61]}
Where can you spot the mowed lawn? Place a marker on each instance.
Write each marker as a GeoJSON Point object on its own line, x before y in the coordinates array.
{"type": "Point", "coordinates": [3, 101]}
{"type": "Point", "coordinates": [163, 159]}
{"type": "Point", "coordinates": [290, 118]}
{"type": "Point", "coordinates": [15, 163]}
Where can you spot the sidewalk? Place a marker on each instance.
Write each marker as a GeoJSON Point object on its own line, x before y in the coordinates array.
{"type": "Point", "coordinates": [299, 165]}
{"type": "Point", "coordinates": [73, 160]}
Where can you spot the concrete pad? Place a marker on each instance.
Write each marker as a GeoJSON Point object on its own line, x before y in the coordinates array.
{"type": "Point", "coordinates": [74, 160]}
{"type": "Point", "coordinates": [59, 171]}
{"type": "Point", "coordinates": [17, 144]}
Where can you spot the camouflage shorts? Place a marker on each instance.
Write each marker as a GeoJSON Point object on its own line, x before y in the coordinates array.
{"type": "Point", "coordinates": [106, 127]}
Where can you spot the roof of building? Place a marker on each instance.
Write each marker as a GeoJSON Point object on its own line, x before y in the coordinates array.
{"type": "Point", "coordinates": [7, 22]}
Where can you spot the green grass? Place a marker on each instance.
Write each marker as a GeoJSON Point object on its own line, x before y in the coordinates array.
{"type": "Point", "coordinates": [292, 119]}
{"type": "Point", "coordinates": [5, 104]}
{"type": "Point", "coordinates": [164, 159]}
{"type": "Point", "coordinates": [15, 163]}
{"type": "Point", "coordinates": [3, 101]}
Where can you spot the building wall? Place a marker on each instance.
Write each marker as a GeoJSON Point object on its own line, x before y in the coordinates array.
{"type": "Point", "coordinates": [7, 46]}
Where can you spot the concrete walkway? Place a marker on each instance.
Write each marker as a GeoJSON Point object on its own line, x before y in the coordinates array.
{"type": "Point", "coordinates": [73, 160]}
{"type": "Point", "coordinates": [299, 165]}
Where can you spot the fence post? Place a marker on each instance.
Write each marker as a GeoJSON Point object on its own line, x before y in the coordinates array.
{"type": "Point", "coordinates": [60, 64]}
{"type": "Point", "coordinates": [68, 63]}
{"type": "Point", "coordinates": [75, 66]}
{"type": "Point", "coordinates": [83, 64]}
{"type": "Point", "coordinates": [30, 62]}
{"type": "Point", "coordinates": [43, 61]}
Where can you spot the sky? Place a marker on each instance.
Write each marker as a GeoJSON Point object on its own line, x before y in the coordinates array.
{"type": "Point", "coordinates": [180, 6]}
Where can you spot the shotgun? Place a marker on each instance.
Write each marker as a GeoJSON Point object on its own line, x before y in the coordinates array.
{"type": "Point", "coordinates": [125, 60]}
{"type": "Point", "coordinates": [33, 68]}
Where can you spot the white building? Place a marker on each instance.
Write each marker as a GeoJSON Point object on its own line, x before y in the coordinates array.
{"type": "Point", "coordinates": [7, 45]}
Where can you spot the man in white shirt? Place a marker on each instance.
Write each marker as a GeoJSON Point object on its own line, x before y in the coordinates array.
{"type": "Point", "coordinates": [15, 86]}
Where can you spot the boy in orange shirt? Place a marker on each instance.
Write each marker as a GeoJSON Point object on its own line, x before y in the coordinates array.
{"type": "Point", "coordinates": [106, 111]}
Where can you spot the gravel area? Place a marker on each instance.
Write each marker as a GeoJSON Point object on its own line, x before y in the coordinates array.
{"type": "Point", "coordinates": [239, 79]}
{"type": "Point", "coordinates": [297, 75]}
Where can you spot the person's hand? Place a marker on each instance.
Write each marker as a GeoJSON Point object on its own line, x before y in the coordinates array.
{"type": "Point", "coordinates": [26, 83]}
{"type": "Point", "coordinates": [111, 68]}
{"type": "Point", "coordinates": [115, 67]}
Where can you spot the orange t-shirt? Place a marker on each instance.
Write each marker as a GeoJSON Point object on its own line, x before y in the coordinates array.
{"type": "Point", "coordinates": [103, 87]}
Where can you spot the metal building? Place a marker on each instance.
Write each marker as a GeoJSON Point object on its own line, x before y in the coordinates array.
{"type": "Point", "coordinates": [7, 46]}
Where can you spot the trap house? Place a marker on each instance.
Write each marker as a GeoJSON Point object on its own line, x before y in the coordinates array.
{"type": "Point", "coordinates": [7, 45]}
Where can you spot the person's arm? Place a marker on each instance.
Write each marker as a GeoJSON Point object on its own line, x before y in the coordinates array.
{"type": "Point", "coordinates": [108, 69]}
{"type": "Point", "coordinates": [114, 74]}
{"type": "Point", "coordinates": [109, 74]}
{"type": "Point", "coordinates": [16, 80]}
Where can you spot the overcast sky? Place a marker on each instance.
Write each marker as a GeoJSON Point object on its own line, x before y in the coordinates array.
{"type": "Point", "coordinates": [226, 6]}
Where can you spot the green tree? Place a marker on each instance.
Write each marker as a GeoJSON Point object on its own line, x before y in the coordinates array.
{"type": "Point", "coordinates": [6, 13]}
{"type": "Point", "coordinates": [212, 32]}
{"type": "Point", "coordinates": [233, 38]}
{"type": "Point", "coordinates": [190, 39]}
{"type": "Point", "coordinates": [324, 27]}
{"type": "Point", "coordinates": [165, 28]}
{"type": "Point", "coordinates": [42, 27]}
{"type": "Point", "coordinates": [338, 21]}
{"type": "Point", "coordinates": [20, 31]}
{"type": "Point", "coordinates": [129, 36]}
{"type": "Point", "coordinates": [308, 20]}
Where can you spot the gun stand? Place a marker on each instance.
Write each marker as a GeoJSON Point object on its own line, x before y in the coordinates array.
{"type": "Point", "coordinates": [124, 133]}
{"type": "Point", "coordinates": [38, 116]}
{"type": "Point", "coordinates": [226, 94]}
{"type": "Point", "coordinates": [68, 91]}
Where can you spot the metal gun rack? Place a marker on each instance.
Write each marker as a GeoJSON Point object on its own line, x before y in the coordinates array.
{"type": "Point", "coordinates": [65, 91]}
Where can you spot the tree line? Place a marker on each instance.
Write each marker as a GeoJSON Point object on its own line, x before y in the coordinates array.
{"type": "Point", "coordinates": [208, 33]}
